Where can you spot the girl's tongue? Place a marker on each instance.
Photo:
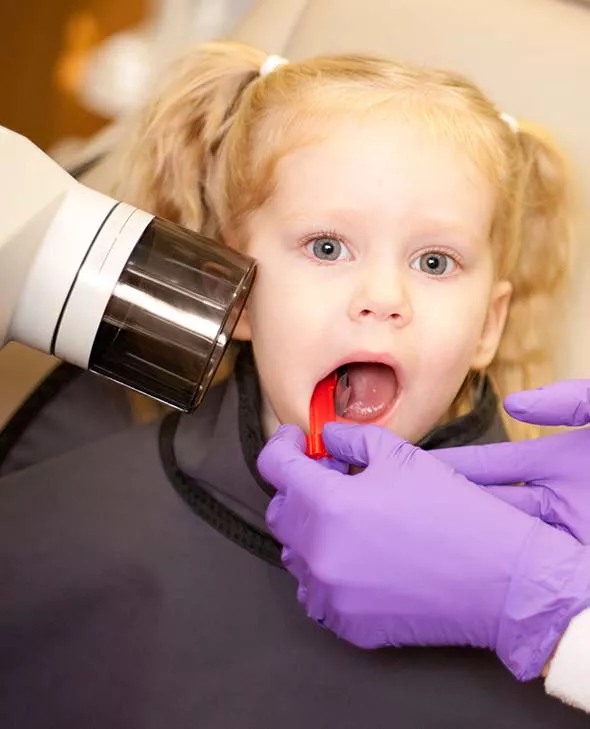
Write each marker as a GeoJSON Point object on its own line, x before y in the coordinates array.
{"type": "Point", "coordinates": [365, 391]}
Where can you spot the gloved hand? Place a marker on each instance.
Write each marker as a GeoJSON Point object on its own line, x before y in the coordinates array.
{"type": "Point", "coordinates": [408, 552]}
{"type": "Point", "coordinates": [555, 468]}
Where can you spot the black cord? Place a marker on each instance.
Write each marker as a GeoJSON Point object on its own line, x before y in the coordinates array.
{"type": "Point", "coordinates": [216, 514]}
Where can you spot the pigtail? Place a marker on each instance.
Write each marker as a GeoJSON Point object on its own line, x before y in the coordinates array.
{"type": "Point", "coordinates": [168, 164]}
{"type": "Point", "coordinates": [539, 269]}
{"type": "Point", "coordinates": [168, 161]}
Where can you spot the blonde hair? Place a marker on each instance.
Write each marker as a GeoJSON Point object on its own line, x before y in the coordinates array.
{"type": "Point", "coordinates": [203, 153]}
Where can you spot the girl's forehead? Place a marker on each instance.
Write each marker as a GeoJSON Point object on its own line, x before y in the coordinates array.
{"type": "Point", "coordinates": [383, 170]}
{"type": "Point", "coordinates": [377, 160]}
{"type": "Point", "coordinates": [375, 153]}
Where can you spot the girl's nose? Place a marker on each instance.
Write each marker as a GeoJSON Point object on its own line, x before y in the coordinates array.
{"type": "Point", "coordinates": [382, 296]}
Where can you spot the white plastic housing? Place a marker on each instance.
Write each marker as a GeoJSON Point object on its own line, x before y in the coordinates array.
{"type": "Point", "coordinates": [96, 281]}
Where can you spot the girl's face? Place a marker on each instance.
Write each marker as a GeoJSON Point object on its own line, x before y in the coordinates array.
{"type": "Point", "coordinates": [374, 248]}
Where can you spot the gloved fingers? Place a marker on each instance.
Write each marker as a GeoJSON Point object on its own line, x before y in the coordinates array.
{"type": "Point", "coordinates": [285, 520]}
{"type": "Point", "coordinates": [543, 503]}
{"type": "Point", "coordinates": [311, 593]}
{"type": "Point", "coordinates": [283, 463]}
{"type": "Point", "coordinates": [333, 464]}
{"type": "Point", "coordinates": [561, 403]}
{"type": "Point", "coordinates": [358, 445]}
{"type": "Point", "coordinates": [533, 500]}
{"type": "Point", "coordinates": [498, 463]}
{"type": "Point", "coordinates": [361, 631]}
{"type": "Point", "coordinates": [313, 596]}
{"type": "Point", "coordinates": [295, 565]}
{"type": "Point", "coordinates": [287, 517]}
{"type": "Point", "coordinates": [273, 513]}
{"type": "Point", "coordinates": [303, 491]}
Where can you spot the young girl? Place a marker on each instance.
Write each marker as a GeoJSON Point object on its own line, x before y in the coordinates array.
{"type": "Point", "coordinates": [397, 217]}
{"type": "Point", "coordinates": [409, 239]}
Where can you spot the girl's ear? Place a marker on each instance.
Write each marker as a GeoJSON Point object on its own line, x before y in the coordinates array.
{"type": "Point", "coordinates": [494, 325]}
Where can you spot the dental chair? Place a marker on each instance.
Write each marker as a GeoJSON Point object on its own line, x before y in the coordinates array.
{"type": "Point", "coordinates": [531, 56]}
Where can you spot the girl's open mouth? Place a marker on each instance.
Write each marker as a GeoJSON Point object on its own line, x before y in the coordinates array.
{"type": "Point", "coordinates": [366, 391]}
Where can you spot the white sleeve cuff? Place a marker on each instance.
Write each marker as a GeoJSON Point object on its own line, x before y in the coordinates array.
{"type": "Point", "coordinates": [569, 673]}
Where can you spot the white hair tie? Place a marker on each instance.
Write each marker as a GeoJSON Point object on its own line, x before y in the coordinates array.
{"type": "Point", "coordinates": [271, 63]}
{"type": "Point", "coordinates": [511, 121]}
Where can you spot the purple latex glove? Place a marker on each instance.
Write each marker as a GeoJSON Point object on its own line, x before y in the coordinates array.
{"type": "Point", "coordinates": [555, 468]}
{"type": "Point", "coordinates": [409, 552]}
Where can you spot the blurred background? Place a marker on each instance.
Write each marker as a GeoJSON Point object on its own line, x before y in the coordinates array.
{"type": "Point", "coordinates": [69, 67]}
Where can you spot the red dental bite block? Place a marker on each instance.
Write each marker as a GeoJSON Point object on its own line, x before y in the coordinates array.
{"type": "Point", "coordinates": [321, 411]}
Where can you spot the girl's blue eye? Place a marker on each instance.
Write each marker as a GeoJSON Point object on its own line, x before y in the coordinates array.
{"type": "Point", "coordinates": [434, 264]}
{"type": "Point", "coordinates": [327, 249]}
